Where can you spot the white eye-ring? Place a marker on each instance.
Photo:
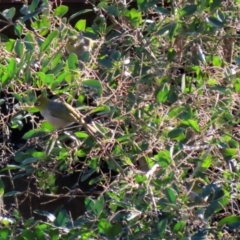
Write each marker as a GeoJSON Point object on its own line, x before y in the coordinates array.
{"type": "Point", "coordinates": [38, 103]}
{"type": "Point", "coordinates": [200, 185]}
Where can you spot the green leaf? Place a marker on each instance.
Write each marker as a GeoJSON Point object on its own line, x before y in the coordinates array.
{"type": "Point", "coordinates": [113, 10]}
{"type": "Point", "coordinates": [165, 29]}
{"type": "Point", "coordinates": [211, 209]}
{"type": "Point", "coordinates": [217, 61]}
{"type": "Point", "coordinates": [87, 174]}
{"type": "Point", "coordinates": [19, 48]}
{"type": "Point", "coordinates": [194, 125]}
{"type": "Point", "coordinates": [81, 135]}
{"type": "Point", "coordinates": [176, 133]}
{"type": "Point", "coordinates": [200, 235]}
{"type": "Point", "coordinates": [54, 234]}
{"type": "Point", "coordinates": [9, 45]}
{"type": "Point", "coordinates": [99, 203]}
{"type": "Point", "coordinates": [174, 112]}
{"type": "Point", "coordinates": [48, 41]}
{"type": "Point", "coordinates": [30, 15]}
{"type": "Point", "coordinates": [106, 62]}
{"type": "Point", "coordinates": [207, 161]}
{"type": "Point", "coordinates": [61, 219]}
{"type": "Point", "coordinates": [93, 84]}
{"type": "Point", "coordinates": [18, 29]}
{"type": "Point", "coordinates": [80, 25]}
{"type": "Point", "coordinates": [33, 5]}
{"type": "Point", "coordinates": [1, 188]}
{"type": "Point", "coordinates": [221, 89]}
{"type": "Point", "coordinates": [72, 61]}
{"type": "Point", "coordinates": [79, 13]}
{"type": "Point", "coordinates": [186, 114]}
{"type": "Point", "coordinates": [163, 158]}
{"type": "Point", "coordinates": [95, 205]}
{"type": "Point", "coordinates": [109, 230]}
{"type": "Point", "coordinates": [162, 225]}
{"type": "Point", "coordinates": [101, 110]}
{"type": "Point", "coordinates": [232, 221]}
{"type": "Point", "coordinates": [179, 226]}
{"type": "Point", "coordinates": [171, 54]}
{"type": "Point", "coordinates": [10, 167]}
{"type": "Point", "coordinates": [214, 22]}
{"type": "Point", "coordinates": [60, 11]}
{"type": "Point", "coordinates": [39, 234]}
{"type": "Point", "coordinates": [3, 77]}
{"type": "Point", "coordinates": [140, 178]}
{"type": "Point", "coordinates": [9, 13]}
{"type": "Point", "coordinates": [62, 77]}
{"type": "Point", "coordinates": [12, 66]}
{"type": "Point", "coordinates": [136, 17]}
{"type": "Point", "coordinates": [29, 41]}
{"type": "Point", "coordinates": [81, 153]}
{"type": "Point", "coordinates": [34, 133]}
{"type": "Point", "coordinates": [28, 234]}
{"type": "Point", "coordinates": [162, 94]}
{"type": "Point", "coordinates": [188, 10]}
{"type": "Point", "coordinates": [171, 195]}
{"type": "Point", "coordinates": [29, 161]}
{"type": "Point", "coordinates": [125, 137]}
{"type": "Point", "coordinates": [237, 86]}
{"type": "Point", "coordinates": [215, 4]}
{"type": "Point", "coordinates": [162, 10]}
{"type": "Point", "coordinates": [173, 29]}
{"type": "Point", "coordinates": [146, 5]}
{"type": "Point", "coordinates": [47, 127]}
{"type": "Point", "coordinates": [4, 233]}
{"type": "Point", "coordinates": [230, 152]}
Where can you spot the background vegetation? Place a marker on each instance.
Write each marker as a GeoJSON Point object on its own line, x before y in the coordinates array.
{"type": "Point", "coordinates": [161, 86]}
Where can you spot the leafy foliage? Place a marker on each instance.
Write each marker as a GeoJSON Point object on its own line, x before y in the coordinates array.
{"type": "Point", "coordinates": [161, 87]}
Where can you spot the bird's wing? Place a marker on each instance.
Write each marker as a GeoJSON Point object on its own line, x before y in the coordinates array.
{"type": "Point", "coordinates": [59, 110]}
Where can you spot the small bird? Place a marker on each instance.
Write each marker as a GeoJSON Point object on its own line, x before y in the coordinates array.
{"type": "Point", "coordinates": [60, 114]}
{"type": "Point", "coordinates": [195, 188]}
{"type": "Point", "coordinates": [79, 45]}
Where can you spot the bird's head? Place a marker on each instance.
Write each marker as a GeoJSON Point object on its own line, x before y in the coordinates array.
{"type": "Point", "coordinates": [196, 185]}
{"type": "Point", "coordinates": [71, 43]}
{"type": "Point", "coordinates": [41, 103]}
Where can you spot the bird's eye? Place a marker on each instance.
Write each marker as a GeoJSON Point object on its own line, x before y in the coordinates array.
{"type": "Point", "coordinates": [200, 185]}
{"type": "Point", "coordinates": [38, 103]}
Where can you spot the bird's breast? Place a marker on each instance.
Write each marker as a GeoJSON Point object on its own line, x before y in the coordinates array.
{"type": "Point", "coordinates": [55, 121]}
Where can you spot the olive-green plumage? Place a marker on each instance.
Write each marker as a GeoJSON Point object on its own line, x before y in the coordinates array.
{"type": "Point", "coordinates": [79, 45]}
{"type": "Point", "coordinates": [60, 114]}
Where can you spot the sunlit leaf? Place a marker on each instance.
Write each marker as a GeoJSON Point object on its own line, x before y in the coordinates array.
{"type": "Point", "coordinates": [80, 25]}
{"type": "Point", "coordinates": [60, 11]}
